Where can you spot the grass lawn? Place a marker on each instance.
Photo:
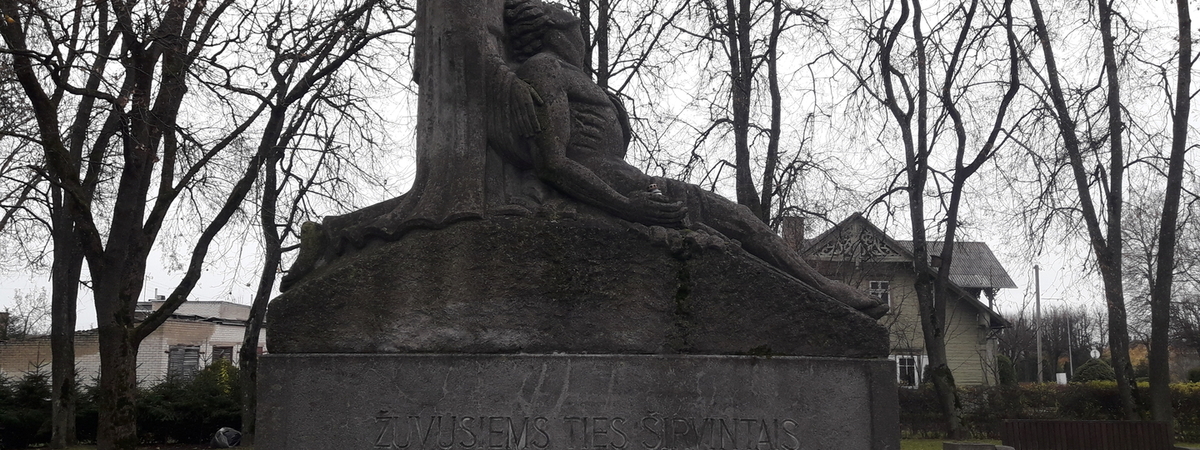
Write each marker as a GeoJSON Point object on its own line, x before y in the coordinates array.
{"type": "Point", "coordinates": [165, 447]}
{"type": "Point", "coordinates": [936, 444]}
{"type": "Point", "coordinates": [931, 444]}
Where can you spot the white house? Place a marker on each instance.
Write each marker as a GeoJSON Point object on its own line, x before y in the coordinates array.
{"type": "Point", "coordinates": [198, 333]}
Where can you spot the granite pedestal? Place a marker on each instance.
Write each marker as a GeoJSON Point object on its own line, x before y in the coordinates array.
{"type": "Point", "coordinates": [575, 402]}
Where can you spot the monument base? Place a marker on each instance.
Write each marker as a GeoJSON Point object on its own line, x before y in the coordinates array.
{"type": "Point", "coordinates": [575, 402]}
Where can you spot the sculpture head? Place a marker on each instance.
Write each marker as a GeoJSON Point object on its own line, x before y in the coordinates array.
{"type": "Point", "coordinates": [535, 26]}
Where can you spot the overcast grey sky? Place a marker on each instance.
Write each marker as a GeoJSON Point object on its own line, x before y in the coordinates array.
{"type": "Point", "coordinates": [233, 270]}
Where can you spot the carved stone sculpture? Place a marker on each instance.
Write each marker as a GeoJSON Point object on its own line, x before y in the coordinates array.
{"type": "Point", "coordinates": [534, 291]}
{"type": "Point", "coordinates": [518, 148]}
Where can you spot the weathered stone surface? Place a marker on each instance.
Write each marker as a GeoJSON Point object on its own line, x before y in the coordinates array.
{"type": "Point", "coordinates": [509, 119]}
{"type": "Point", "coordinates": [582, 285]}
{"type": "Point", "coordinates": [576, 402]}
{"type": "Point", "coordinates": [523, 250]}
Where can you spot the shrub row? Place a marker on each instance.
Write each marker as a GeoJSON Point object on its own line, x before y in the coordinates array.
{"type": "Point", "coordinates": [184, 410]}
{"type": "Point", "coordinates": [986, 407]}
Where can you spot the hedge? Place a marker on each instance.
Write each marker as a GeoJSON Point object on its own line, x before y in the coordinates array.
{"type": "Point", "coordinates": [986, 407]}
{"type": "Point", "coordinates": [178, 410]}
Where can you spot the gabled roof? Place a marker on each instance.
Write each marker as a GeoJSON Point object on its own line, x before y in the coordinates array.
{"type": "Point", "coordinates": [974, 265]}
{"type": "Point", "coordinates": [857, 239]}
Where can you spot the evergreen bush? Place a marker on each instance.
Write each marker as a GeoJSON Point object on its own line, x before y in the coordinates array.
{"type": "Point", "coordinates": [1005, 371]}
{"type": "Point", "coordinates": [190, 410]}
{"type": "Point", "coordinates": [1094, 370]}
{"type": "Point", "coordinates": [25, 409]}
{"type": "Point", "coordinates": [87, 410]}
{"type": "Point", "coordinates": [178, 410]}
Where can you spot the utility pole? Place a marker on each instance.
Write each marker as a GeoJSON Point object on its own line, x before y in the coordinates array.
{"type": "Point", "coordinates": [1070, 358]}
{"type": "Point", "coordinates": [1037, 295]}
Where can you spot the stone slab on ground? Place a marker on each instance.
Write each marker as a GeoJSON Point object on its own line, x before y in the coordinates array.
{"type": "Point", "coordinates": [573, 402]}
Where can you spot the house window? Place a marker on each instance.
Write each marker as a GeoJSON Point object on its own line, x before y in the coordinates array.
{"type": "Point", "coordinates": [909, 369]}
{"type": "Point", "coordinates": [880, 290]}
{"type": "Point", "coordinates": [223, 354]}
{"type": "Point", "coordinates": [183, 361]}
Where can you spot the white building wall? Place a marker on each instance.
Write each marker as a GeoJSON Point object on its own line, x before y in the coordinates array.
{"type": "Point", "coordinates": [17, 357]}
{"type": "Point", "coordinates": [219, 310]}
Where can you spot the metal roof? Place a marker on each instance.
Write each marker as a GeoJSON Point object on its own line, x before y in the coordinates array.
{"type": "Point", "coordinates": [974, 265]}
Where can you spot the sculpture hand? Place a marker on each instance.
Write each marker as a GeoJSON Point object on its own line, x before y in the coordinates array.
{"type": "Point", "coordinates": [654, 209]}
{"type": "Point", "coordinates": [522, 108]}
{"type": "Point", "coordinates": [857, 299]}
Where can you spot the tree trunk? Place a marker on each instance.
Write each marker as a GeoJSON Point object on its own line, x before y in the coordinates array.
{"type": "Point", "coordinates": [770, 165]}
{"type": "Point", "coordinates": [1107, 250]}
{"type": "Point", "coordinates": [248, 358]}
{"type": "Point", "coordinates": [1118, 335]}
{"type": "Point", "coordinates": [66, 270]}
{"type": "Point", "coordinates": [931, 307]}
{"type": "Point", "coordinates": [939, 370]}
{"type": "Point", "coordinates": [116, 288]}
{"type": "Point", "coordinates": [1113, 254]}
{"type": "Point", "coordinates": [118, 383]}
{"type": "Point", "coordinates": [585, 28]}
{"type": "Point", "coordinates": [603, 19]}
{"type": "Point", "coordinates": [741, 83]}
{"type": "Point", "coordinates": [1160, 296]}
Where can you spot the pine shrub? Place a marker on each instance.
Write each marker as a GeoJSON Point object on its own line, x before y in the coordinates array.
{"type": "Point", "coordinates": [1194, 375]}
{"type": "Point", "coordinates": [1094, 370]}
{"type": "Point", "coordinates": [25, 409]}
{"type": "Point", "coordinates": [1005, 371]}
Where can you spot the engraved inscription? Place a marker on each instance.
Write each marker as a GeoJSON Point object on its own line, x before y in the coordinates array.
{"type": "Point", "coordinates": [447, 432]}
{"type": "Point", "coordinates": [609, 432]}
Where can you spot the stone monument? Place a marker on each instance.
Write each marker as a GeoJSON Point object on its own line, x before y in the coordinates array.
{"type": "Point", "coordinates": [535, 291]}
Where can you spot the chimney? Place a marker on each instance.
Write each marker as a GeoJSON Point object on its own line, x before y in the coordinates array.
{"type": "Point", "coordinates": [793, 232]}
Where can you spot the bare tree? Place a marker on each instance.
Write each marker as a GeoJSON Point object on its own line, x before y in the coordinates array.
{"type": "Point", "coordinates": [635, 48]}
{"type": "Point", "coordinates": [29, 315]}
{"type": "Point", "coordinates": [1186, 316]}
{"type": "Point", "coordinates": [636, 27]}
{"type": "Point", "coordinates": [940, 69]}
{"type": "Point", "coordinates": [306, 153]}
{"type": "Point", "coordinates": [1185, 304]}
{"type": "Point", "coordinates": [1096, 127]}
{"type": "Point", "coordinates": [1069, 334]}
{"type": "Point", "coordinates": [136, 62]}
{"type": "Point", "coordinates": [1160, 297]}
{"type": "Point", "coordinates": [746, 36]}
{"type": "Point", "coordinates": [19, 183]}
